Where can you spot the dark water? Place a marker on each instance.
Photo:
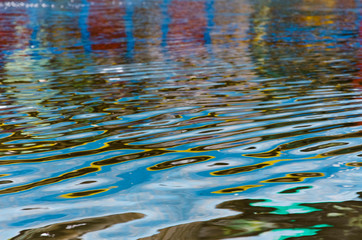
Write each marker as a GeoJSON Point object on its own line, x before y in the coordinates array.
{"type": "Point", "coordinates": [181, 119]}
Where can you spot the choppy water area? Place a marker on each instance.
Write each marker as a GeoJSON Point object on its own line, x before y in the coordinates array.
{"type": "Point", "coordinates": [180, 119]}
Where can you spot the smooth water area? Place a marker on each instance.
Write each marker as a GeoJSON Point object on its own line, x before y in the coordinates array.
{"type": "Point", "coordinates": [180, 119]}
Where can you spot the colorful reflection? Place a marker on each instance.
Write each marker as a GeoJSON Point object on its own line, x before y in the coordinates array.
{"type": "Point", "coordinates": [122, 118]}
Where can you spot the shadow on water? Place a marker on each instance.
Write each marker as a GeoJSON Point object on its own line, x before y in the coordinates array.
{"type": "Point", "coordinates": [332, 220]}
{"type": "Point", "coordinates": [76, 229]}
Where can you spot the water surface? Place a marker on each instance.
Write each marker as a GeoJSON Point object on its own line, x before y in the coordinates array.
{"type": "Point", "coordinates": [180, 119]}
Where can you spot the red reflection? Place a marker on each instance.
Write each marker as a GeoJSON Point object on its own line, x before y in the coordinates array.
{"type": "Point", "coordinates": [106, 25]}
{"type": "Point", "coordinates": [14, 33]}
{"type": "Point", "coordinates": [187, 27]}
{"type": "Point", "coordinates": [357, 82]}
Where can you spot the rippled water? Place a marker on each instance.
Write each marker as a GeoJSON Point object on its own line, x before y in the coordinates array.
{"type": "Point", "coordinates": [180, 119]}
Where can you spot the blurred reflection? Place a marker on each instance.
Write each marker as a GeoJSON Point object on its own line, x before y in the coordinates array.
{"type": "Point", "coordinates": [107, 30]}
{"type": "Point", "coordinates": [295, 40]}
{"type": "Point", "coordinates": [147, 31]}
{"type": "Point", "coordinates": [230, 37]}
{"type": "Point", "coordinates": [14, 32]}
{"type": "Point", "coordinates": [187, 28]}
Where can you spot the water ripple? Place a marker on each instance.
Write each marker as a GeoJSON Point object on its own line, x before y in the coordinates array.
{"type": "Point", "coordinates": [166, 114]}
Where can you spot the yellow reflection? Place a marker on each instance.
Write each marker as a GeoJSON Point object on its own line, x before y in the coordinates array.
{"type": "Point", "coordinates": [354, 164]}
{"type": "Point", "coordinates": [94, 167]}
{"type": "Point", "coordinates": [272, 153]}
{"type": "Point", "coordinates": [26, 148]}
{"type": "Point", "coordinates": [294, 177]}
{"type": "Point", "coordinates": [312, 4]}
{"type": "Point", "coordinates": [86, 193]}
{"type": "Point", "coordinates": [236, 189]}
{"type": "Point", "coordinates": [178, 162]}
{"type": "Point", "coordinates": [245, 168]}
{"type": "Point", "coordinates": [317, 20]}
